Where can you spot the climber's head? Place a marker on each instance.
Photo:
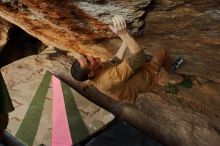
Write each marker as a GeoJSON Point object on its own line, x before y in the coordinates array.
{"type": "Point", "coordinates": [84, 68]}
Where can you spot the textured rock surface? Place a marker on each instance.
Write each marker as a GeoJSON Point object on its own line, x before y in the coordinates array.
{"type": "Point", "coordinates": [192, 116]}
{"type": "Point", "coordinates": [132, 11]}
{"type": "Point", "coordinates": [4, 29]}
{"type": "Point", "coordinates": [186, 28]}
{"type": "Point", "coordinates": [64, 25]}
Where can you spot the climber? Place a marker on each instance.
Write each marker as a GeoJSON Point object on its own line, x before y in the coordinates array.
{"type": "Point", "coordinates": [122, 79]}
{"type": "Point", "coordinates": [5, 106]}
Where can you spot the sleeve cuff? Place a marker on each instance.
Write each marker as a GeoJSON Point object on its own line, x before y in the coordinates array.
{"type": "Point", "coordinates": [135, 61]}
{"type": "Point", "coordinates": [116, 60]}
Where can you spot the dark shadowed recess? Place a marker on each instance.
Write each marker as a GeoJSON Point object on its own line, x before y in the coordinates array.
{"type": "Point", "coordinates": [19, 45]}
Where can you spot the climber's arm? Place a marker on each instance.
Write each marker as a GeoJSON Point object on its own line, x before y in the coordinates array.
{"type": "Point", "coordinates": [137, 54]}
{"type": "Point", "coordinates": [120, 53]}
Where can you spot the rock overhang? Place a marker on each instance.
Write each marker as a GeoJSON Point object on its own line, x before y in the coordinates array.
{"type": "Point", "coordinates": [73, 25]}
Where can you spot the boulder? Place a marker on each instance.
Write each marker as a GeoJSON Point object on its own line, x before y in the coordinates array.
{"type": "Point", "coordinates": [65, 24]}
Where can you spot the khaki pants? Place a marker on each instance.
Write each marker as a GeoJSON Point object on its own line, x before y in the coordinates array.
{"type": "Point", "coordinates": [154, 66]}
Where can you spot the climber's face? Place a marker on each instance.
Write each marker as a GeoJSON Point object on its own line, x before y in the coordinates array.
{"type": "Point", "coordinates": [92, 63]}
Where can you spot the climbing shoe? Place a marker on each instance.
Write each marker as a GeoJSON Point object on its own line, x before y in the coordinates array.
{"type": "Point", "coordinates": [177, 64]}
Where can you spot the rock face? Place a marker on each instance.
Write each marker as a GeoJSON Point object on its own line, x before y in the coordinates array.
{"type": "Point", "coordinates": [65, 25]}
{"type": "Point", "coordinates": [104, 10]}
{"type": "Point", "coordinates": [4, 30]}
{"type": "Point", "coordinates": [187, 28]}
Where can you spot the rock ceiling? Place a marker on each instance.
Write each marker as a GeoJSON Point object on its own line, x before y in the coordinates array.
{"type": "Point", "coordinates": [65, 24]}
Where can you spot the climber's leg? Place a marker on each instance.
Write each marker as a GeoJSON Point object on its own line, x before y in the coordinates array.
{"type": "Point", "coordinates": [157, 66]}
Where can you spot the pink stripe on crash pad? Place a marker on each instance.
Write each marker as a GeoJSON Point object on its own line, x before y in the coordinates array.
{"type": "Point", "coordinates": [60, 128]}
